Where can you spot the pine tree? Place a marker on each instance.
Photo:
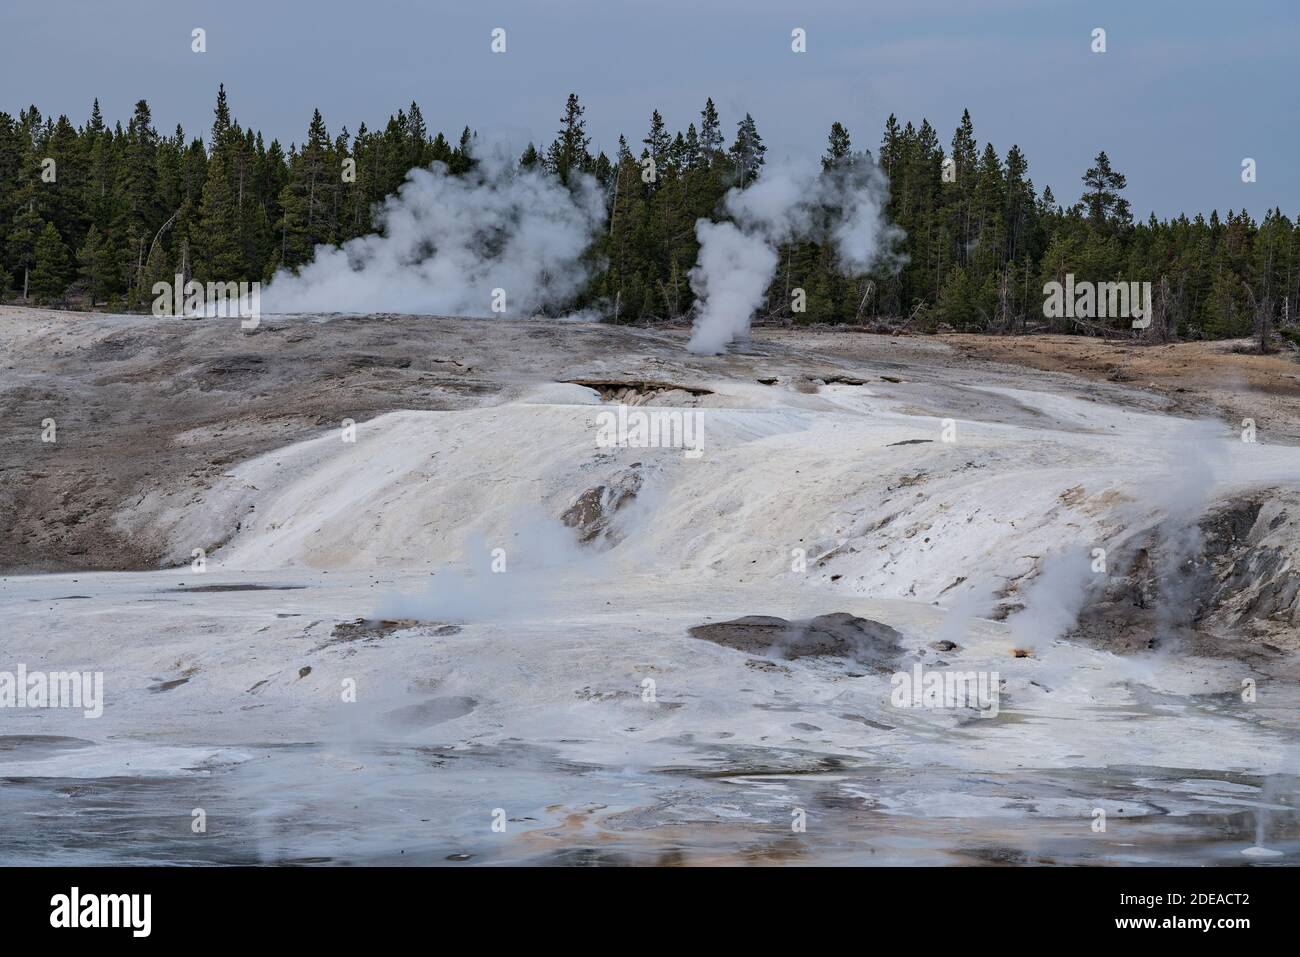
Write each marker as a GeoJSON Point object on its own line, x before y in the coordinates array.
{"type": "Point", "coordinates": [440, 149]}
{"type": "Point", "coordinates": [462, 157]}
{"type": "Point", "coordinates": [747, 152]}
{"type": "Point", "coordinates": [221, 124]}
{"type": "Point", "coordinates": [710, 134]}
{"type": "Point", "coordinates": [318, 179]}
{"type": "Point", "coordinates": [24, 234]}
{"type": "Point", "coordinates": [1019, 204]}
{"type": "Point", "coordinates": [138, 206]}
{"type": "Point", "coordinates": [569, 151]}
{"type": "Point", "coordinates": [218, 256]}
{"type": "Point", "coordinates": [294, 246]}
{"type": "Point", "coordinates": [692, 144]}
{"type": "Point", "coordinates": [91, 266]}
{"type": "Point", "coordinates": [137, 183]}
{"type": "Point", "coordinates": [603, 170]}
{"type": "Point", "coordinates": [63, 201]}
{"type": "Point", "coordinates": [11, 162]}
{"type": "Point", "coordinates": [965, 161]}
{"type": "Point", "coordinates": [51, 273]}
{"type": "Point", "coordinates": [418, 143]}
{"type": "Point", "coordinates": [96, 125]}
{"type": "Point", "coordinates": [1106, 207]}
{"type": "Point", "coordinates": [890, 145]}
{"type": "Point", "coordinates": [157, 268]}
{"type": "Point", "coordinates": [838, 149]}
{"type": "Point", "coordinates": [658, 143]}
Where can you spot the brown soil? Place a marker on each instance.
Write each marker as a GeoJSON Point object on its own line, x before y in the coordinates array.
{"type": "Point", "coordinates": [1199, 377]}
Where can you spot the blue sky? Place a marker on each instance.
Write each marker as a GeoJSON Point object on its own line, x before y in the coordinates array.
{"type": "Point", "coordinates": [1185, 91]}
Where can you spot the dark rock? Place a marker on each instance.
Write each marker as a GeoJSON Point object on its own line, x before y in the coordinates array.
{"type": "Point", "coordinates": [838, 635]}
{"type": "Point", "coordinates": [595, 508]}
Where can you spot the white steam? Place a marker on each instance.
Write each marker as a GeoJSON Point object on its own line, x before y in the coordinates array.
{"type": "Point", "coordinates": [730, 278]}
{"type": "Point", "coordinates": [1180, 487]}
{"type": "Point", "coordinates": [504, 578]}
{"type": "Point", "coordinates": [738, 259]}
{"type": "Point", "coordinates": [1054, 599]}
{"type": "Point", "coordinates": [977, 601]}
{"type": "Point", "coordinates": [446, 243]}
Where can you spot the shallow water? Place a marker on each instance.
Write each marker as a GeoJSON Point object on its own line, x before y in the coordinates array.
{"type": "Point", "coordinates": [211, 707]}
{"type": "Point", "coordinates": [307, 804]}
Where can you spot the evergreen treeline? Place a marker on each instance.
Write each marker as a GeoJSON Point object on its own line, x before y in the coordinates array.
{"type": "Point", "coordinates": [118, 209]}
{"type": "Point", "coordinates": [125, 208]}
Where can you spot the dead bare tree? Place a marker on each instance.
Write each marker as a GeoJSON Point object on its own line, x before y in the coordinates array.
{"type": "Point", "coordinates": [1263, 314]}
{"type": "Point", "coordinates": [1004, 317]}
{"type": "Point", "coordinates": [1160, 329]}
{"type": "Point", "coordinates": [871, 287]}
{"type": "Point", "coordinates": [917, 310]}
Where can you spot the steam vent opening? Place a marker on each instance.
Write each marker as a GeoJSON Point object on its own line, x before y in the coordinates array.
{"type": "Point", "coordinates": [641, 392]}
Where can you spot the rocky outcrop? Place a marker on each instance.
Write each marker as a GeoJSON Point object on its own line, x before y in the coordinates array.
{"type": "Point", "coordinates": [1235, 575]}
{"type": "Point", "coordinates": [593, 511]}
{"type": "Point", "coordinates": [838, 635]}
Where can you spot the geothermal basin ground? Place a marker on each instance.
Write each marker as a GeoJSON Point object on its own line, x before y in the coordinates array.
{"type": "Point", "coordinates": [369, 589]}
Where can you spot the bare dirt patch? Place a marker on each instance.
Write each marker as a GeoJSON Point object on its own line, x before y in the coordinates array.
{"type": "Point", "coordinates": [1202, 378]}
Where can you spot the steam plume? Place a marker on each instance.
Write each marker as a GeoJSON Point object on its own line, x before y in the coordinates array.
{"type": "Point", "coordinates": [738, 259]}
{"type": "Point", "coordinates": [446, 242]}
